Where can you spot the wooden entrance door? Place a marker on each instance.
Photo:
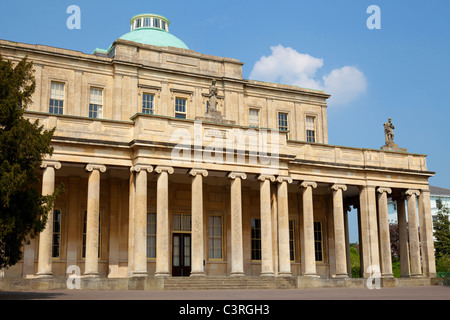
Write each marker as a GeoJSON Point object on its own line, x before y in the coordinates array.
{"type": "Point", "coordinates": [181, 254]}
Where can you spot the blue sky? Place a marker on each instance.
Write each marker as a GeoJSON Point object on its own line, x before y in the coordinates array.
{"type": "Point", "coordinates": [405, 64]}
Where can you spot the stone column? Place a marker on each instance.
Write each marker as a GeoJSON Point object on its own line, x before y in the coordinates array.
{"type": "Point", "coordinates": [162, 222]}
{"type": "Point", "coordinates": [339, 230]}
{"type": "Point", "coordinates": [369, 230]}
{"type": "Point", "coordinates": [413, 233]}
{"type": "Point", "coordinates": [266, 225]}
{"type": "Point", "coordinates": [403, 238]}
{"type": "Point", "coordinates": [283, 226]}
{"type": "Point", "coordinates": [46, 236]}
{"type": "Point", "coordinates": [92, 220]}
{"type": "Point", "coordinates": [427, 241]}
{"type": "Point", "coordinates": [131, 209]}
{"type": "Point", "coordinates": [197, 268]}
{"type": "Point", "coordinates": [237, 256]}
{"type": "Point", "coordinates": [385, 239]}
{"type": "Point", "coordinates": [140, 221]}
{"type": "Point", "coordinates": [308, 229]}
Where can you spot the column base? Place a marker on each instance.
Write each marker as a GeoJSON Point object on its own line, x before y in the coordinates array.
{"type": "Point", "coordinates": [342, 276]}
{"type": "Point", "coordinates": [417, 275]}
{"type": "Point", "coordinates": [140, 274]}
{"type": "Point", "coordinates": [162, 275]}
{"type": "Point", "coordinates": [237, 274]}
{"type": "Point", "coordinates": [93, 275]}
{"type": "Point", "coordinates": [198, 274]}
{"type": "Point", "coordinates": [311, 275]}
{"type": "Point", "coordinates": [45, 276]}
{"type": "Point", "coordinates": [267, 274]}
{"type": "Point", "coordinates": [387, 276]}
{"type": "Point", "coordinates": [284, 274]}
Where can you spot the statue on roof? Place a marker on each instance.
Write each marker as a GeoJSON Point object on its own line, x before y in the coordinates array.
{"type": "Point", "coordinates": [389, 132]}
{"type": "Point", "coordinates": [389, 138]}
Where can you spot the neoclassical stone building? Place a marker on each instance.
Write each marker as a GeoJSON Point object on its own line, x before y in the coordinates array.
{"type": "Point", "coordinates": [174, 165]}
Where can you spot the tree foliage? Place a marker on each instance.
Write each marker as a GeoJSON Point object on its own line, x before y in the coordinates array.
{"type": "Point", "coordinates": [442, 238]}
{"type": "Point", "coordinates": [23, 144]}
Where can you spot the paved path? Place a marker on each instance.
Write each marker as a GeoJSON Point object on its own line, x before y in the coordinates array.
{"type": "Point", "coordinates": [397, 293]}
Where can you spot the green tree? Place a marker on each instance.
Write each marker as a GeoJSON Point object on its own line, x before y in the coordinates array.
{"type": "Point", "coordinates": [442, 238]}
{"type": "Point", "coordinates": [23, 144]}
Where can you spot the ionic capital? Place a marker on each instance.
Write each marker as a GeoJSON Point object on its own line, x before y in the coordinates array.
{"type": "Point", "coordinates": [50, 163]}
{"type": "Point", "coordinates": [94, 166]}
{"type": "Point", "coordinates": [193, 172]}
{"type": "Point", "coordinates": [167, 169]}
{"type": "Point", "coordinates": [384, 189]}
{"type": "Point", "coordinates": [306, 184]}
{"type": "Point", "coordinates": [411, 192]}
{"type": "Point", "coordinates": [139, 167]}
{"type": "Point", "coordinates": [337, 186]}
{"type": "Point", "coordinates": [233, 175]}
{"type": "Point", "coordinates": [264, 177]}
{"type": "Point", "coordinates": [287, 179]}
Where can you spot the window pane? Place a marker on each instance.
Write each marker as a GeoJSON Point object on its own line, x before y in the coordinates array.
{"type": "Point", "coordinates": [56, 233]}
{"type": "Point", "coordinates": [256, 239]}
{"type": "Point", "coordinates": [253, 118]}
{"type": "Point", "coordinates": [56, 98]}
{"type": "Point", "coordinates": [151, 235]}
{"type": "Point", "coordinates": [215, 237]}
{"type": "Point", "coordinates": [180, 108]}
{"type": "Point", "coordinates": [310, 129]}
{"type": "Point", "coordinates": [318, 241]}
{"type": "Point", "coordinates": [282, 121]}
{"type": "Point", "coordinates": [147, 103]}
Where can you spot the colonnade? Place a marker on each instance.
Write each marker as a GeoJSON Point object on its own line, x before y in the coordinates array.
{"type": "Point", "coordinates": [374, 226]}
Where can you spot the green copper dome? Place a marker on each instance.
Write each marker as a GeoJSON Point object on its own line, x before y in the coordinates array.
{"type": "Point", "coordinates": [154, 30]}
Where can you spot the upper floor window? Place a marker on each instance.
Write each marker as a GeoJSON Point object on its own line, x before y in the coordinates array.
{"type": "Point", "coordinates": [253, 118]}
{"type": "Point", "coordinates": [56, 98]}
{"type": "Point", "coordinates": [95, 103]}
{"type": "Point", "coordinates": [283, 121]}
{"type": "Point", "coordinates": [156, 23]}
{"type": "Point", "coordinates": [310, 129]}
{"type": "Point", "coordinates": [147, 103]}
{"type": "Point", "coordinates": [180, 108]}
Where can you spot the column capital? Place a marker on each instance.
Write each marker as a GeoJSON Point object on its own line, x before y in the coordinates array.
{"type": "Point", "coordinates": [233, 175]}
{"type": "Point", "coordinates": [139, 167]}
{"type": "Point", "coordinates": [196, 171]}
{"type": "Point", "coordinates": [167, 169]}
{"type": "Point", "coordinates": [384, 189]}
{"type": "Point", "coordinates": [337, 186]}
{"type": "Point", "coordinates": [50, 163]}
{"type": "Point", "coordinates": [264, 177]}
{"type": "Point", "coordinates": [306, 184]}
{"type": "Point", "coordinates": [287, 179]}
{"type": "Point", "coordinates": [94, 166]}
{"type": "Point", "coordinates": [411, 192]}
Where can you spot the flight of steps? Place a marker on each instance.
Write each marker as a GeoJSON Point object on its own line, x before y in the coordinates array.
{"type": "Point", "coordinates": [232, 283]}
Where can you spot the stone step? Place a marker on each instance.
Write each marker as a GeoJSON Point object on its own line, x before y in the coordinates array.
{"type": "Point", "coordinates": [236, 283]}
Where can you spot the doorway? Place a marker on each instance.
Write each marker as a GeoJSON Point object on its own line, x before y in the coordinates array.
{"type": "Point", "coordinates": [181, 254]}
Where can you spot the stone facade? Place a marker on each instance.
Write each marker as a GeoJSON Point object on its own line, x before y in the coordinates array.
{"type": "Point", "coordinates": [245, 217]}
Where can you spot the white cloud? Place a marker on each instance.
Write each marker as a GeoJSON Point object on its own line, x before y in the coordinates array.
{"type": "Point", "coordinates": [286, 65]}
